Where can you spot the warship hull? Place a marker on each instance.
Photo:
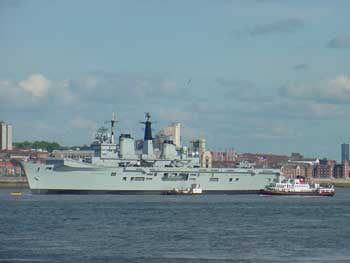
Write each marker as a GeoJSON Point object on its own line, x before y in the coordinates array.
{"type": "Point", "coordinates": [73, 178]}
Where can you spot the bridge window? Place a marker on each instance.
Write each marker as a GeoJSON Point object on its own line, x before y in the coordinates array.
{"type": "Point", "coordinates": [113, 174]}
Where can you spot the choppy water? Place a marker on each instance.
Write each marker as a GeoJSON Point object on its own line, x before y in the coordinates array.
{"type": "Point", "coordinates": [207, 228]}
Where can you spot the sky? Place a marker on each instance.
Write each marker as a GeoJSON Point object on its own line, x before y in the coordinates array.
{"type": "Point", "coordinates": [268, 76]}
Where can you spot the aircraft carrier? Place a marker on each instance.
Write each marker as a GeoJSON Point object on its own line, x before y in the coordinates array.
{"type": "Point", "coordinates": [117, 168]}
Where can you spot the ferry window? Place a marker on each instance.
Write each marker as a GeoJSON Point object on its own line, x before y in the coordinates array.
{"type": "Point", "coordinates": [124, 178]}
{"type": "Point", "coordinates": [132, 178]}
{"type": "Point", "coordinates": [214, 179]}
{"type": "Point", "coordinates": [155, 174]}
{"type": "Point", "coordinates": [113, 174]}
{"type": "Point", "coordinates": [230, 179]}
{"type": "Point", "coordinates": [237, 179]}
{"type": "Point", "coordinates": [165, 174]}
{"type": "Point", "coordinates": [48, 168]}
{"type": "Point", "coordinates": [148, 178]}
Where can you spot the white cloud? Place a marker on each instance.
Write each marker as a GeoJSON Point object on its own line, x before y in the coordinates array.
{"type": "Point", "coordinates": [337, 90]}
{"type": "Point", "coordinates": [37, 92]}
{"type": "Point", "coordinates": [37, 85]}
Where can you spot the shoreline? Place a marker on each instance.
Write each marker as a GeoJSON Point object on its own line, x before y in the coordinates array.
{"type": "Point", "coordinates": [7, 182]}
{"type": "Point", "coordinates": [341, 183]}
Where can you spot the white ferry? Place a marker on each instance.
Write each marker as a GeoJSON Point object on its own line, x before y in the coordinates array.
{"type": "Point", "coordinates": [297, 186]}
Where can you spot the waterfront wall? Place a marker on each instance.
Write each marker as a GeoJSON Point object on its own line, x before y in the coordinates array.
{"type": "Point", "coordinates": [335, 181]}
{"type": "Point", "coordinates": [20, 182]}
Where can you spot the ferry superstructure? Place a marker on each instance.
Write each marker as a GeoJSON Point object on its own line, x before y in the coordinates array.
{"type": "Point", "coordinates": [119, 169]}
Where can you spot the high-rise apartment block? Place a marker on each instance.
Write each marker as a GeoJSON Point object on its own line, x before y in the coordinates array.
{"type": "Point", "coordinates": [172, 133]}
{"type": "Point", "coordinates": [344, 152]}
{"type": "Point", "coordinates": [5, 136]}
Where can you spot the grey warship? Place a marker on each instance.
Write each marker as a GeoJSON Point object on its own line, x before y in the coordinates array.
{"type": "Point", "coordinates": [117, 168]}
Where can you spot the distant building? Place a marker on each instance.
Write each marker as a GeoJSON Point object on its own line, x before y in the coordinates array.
{"type": "Point", "coordinates": [263, 159]}
{"type": "Point", "coordinates": [324, 169]}
{"type": "Point", "coordinates": [225, 158]}
{"type": "Point", "coordinates": [206, 159]}
{"type": "Point", "coordinates": [8, 168]}
{"type": "Point", "coordinates": [227, 155]}
{"type": "Point", "coordinates": [296, 157]}
{"type": "Point", "coordinates": [170, 133]}
{"type": "Point", "coordinates": [344, 152]}
{"type": "Point", "coordinates": [292, 170]}
{"type": "Point", "coordinates": [5, 136]}
{"type": "Point", "coordinates": [197, 146]}
{"type": "Point", "coordinates": [345, 169]}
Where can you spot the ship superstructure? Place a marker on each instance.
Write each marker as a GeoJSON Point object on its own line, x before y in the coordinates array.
{"type": "Point", "coordinates": [118, 168]}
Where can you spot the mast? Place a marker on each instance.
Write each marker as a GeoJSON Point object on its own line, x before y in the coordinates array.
{"type": "Point", "coordinates": [148, 127]}
{"type": "Point", "coordinates": [147, 150]}
{"type": "Point", "coordinates": [113, 121]}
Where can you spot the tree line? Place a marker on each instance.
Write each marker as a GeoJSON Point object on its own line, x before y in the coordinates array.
{"type": "Point", "coordinates": [44, 145]}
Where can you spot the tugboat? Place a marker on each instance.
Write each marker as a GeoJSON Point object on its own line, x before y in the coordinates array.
{"type": "Point", "coordinates": [194, 190]}
{"type": "Point", "coordinates": [297, 186]}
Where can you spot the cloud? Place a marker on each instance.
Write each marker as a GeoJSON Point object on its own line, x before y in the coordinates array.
{"type": "Point", "coordinates": [341, 41]}
{"type": "Point", "coordinates": [301, 67]}
{"type": "Point", "coordinates": [290, 25]}
{"type": "Point", "coordinates": [123, 89]}
{"type": "Point", "coordinates": [334, 90]}
{"type": "Point", "coordinates": [37, 85]}
{"type": "Point", "coordinates": [36, 92]}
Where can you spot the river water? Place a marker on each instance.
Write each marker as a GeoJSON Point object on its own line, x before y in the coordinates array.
{"type": "Point", "coordinates": [156, 228]}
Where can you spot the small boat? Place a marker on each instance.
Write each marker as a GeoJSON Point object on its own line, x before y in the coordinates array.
{"type": "Point", "coordinates": [194, 190]}
{"type": "Point", "coordinates": [297, 186]}
{"type": "Point", "coordinates": [16, 193]}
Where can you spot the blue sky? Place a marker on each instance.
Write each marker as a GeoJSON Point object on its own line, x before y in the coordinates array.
{"type": "Point", "coordinates": [257, 75]}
